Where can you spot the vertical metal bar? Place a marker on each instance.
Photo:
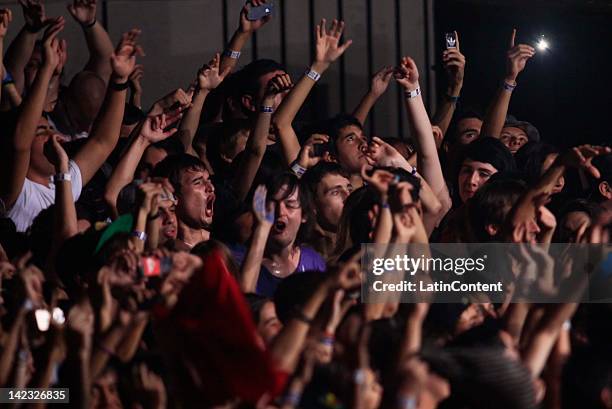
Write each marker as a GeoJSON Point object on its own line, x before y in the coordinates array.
{"type": "Point", "coordinates": [342, 64]}
{"type": "Point", "coordinates": [254, 45]}
{"type": "Point", "coordinates": [398, 57]}
{"type": "Point", "coordinates": [105, 14]}
{"type": "Point", "coordinates": [311, 17]}
{"type": "Point", "coordinates": [430, 99]}
{"type": "Point", "coordinates": [370, 55]}
{"type": "Point", "coordinates": [314, 94]}
{"type": "Point", "coordinates": [283, 28]}
{"type": "Point", "coordinates": [225, 26]}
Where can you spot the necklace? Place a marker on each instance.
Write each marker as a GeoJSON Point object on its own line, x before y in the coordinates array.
{"type": "Point", "coordinates": [276, 268]}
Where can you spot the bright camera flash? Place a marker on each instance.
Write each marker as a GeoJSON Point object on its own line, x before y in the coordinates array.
{"type": "Point", "coordinates": [542, 44]}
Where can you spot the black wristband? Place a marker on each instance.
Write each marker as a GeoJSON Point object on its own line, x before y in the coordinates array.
{"type": "Point", "coordinates": [119, 86]}
{"type": "Point", "coordinates": [153, 217]}
{"type": "Point", "coordinates": [32, 30]}
{"type": "Point", "coordinates": [300, 316]}
{"type": "Point", "coordinates": [90, 25]}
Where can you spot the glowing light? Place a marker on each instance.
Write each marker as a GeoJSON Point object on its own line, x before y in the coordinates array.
{"type": "Point", "coordinates": [542, 44]}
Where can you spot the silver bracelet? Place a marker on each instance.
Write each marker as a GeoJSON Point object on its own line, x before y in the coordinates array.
{"type": "Point", "coordinates": [313, 75]}
{"type": "Point", "coordinates": [62, 177]}
{"type": "Point", "coordinates": [412, 94]}
{"type": "Point", "coordinates": [232, 54]}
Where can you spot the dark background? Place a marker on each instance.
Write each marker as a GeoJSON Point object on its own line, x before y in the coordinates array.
{"type": "Point", "coordinates": [565, 92]}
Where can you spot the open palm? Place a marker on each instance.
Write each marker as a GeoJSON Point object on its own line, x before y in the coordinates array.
{"type": "Point", "coordinates": [328, 43]}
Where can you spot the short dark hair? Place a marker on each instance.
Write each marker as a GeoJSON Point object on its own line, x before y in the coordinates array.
{"type": "Point", "coordinates": [314, 175]}
{"type": "Point", "coordinates": [247, 79]}
{"type": "Point", "coordinates": [256, 302]}
{"type": "Point", "coordinates": [491, 204]}
{"type": "Point", "coordinates": [466, 113]}
{"type": "Point", "coordinates": [333, 126]}
{"type": "Point", "coordinates": [173, 166]}
{"type": "Point", "coordinates": [275, 184]}
{"type": "Point", "coordinates": [489, 150]}
{"type": "Point", "coordinates": [530, 157]}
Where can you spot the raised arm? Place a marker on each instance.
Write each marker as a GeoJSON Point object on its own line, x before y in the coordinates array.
{"type": "Point", "coordinates": [209, 78]}
{"type": "Point", "coordinates": [287, 346]}
{"type": "Point", "coordinates": [136, 86]}
{"type": "Point", "coordinates": [105, 131]}
{"type": "Point", "coordinates": [151, 132]}
{"type": "Point", "coordinates": [242, 34]}
{"type": "Point", "coordinates": [427, 153]}
{"type": "Point", "coordinates": [454, 63]}
{"type": "Point", "coordinates": [20, 50]}
{"type": "Point", "coordinates": [256, 144]}
{"type": "Point", "coordinates": [6, 16]}
{"type": "Point", "coordinates": [378, 86]}
{"type": "Point", "coordinates": [264, 218]}
{"type": "Point", "coordinates": [98, 42]}
{"type": "Point", "coordinates": [517, 58]}
{"type": "Point", "coordinates": [15, 155]}
{"type": "Point", "coordinates": [328, 50]}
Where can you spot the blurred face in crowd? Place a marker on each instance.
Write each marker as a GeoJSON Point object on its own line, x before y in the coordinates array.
{"type": "Point", "coordinates": [196, 199]}
{"type": "Point", "coordinates": [372, 390]}
{"type": "Point", "coordinates": [574, 225]}
{"type": "Point", "coordinates": [468, 130]}
{"type": "Point", "coordinates": [472, 175]}
{"type": "Point", "coordinates": [169, 223]}
{"type": "Point", "coordinates": [513, 138]}
{"type": "Point", "coordinates": [470, 318]}
{"type": "Point", "coordinates": [288, 212]}
{"type": "Point", "coordinates": [104, 392]}
{"type": "Point", "coordinates": [331, 193]}
{"type": "Point", "coordinates": [351, 147]}
{"type": "Point", "coordinates": [38, 161]}
{"type": "Point", "coordinates": [269, 325]}
{"type": "Point", "coordinates": [546, 165]}
{"type": "Point", "coordinates": [152, 156]}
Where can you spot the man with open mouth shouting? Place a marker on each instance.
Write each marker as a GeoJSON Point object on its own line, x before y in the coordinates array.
{"type": "Point", "coordinates": [195, 196]}
{"type": "Point", "coordinates": [282, 209]}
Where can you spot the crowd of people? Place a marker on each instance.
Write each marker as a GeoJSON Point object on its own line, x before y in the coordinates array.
{"type": "Point", "coordinates": [205, 251]}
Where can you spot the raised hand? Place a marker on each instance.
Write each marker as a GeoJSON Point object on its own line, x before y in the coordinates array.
{"type": "Point", "coordinates": [55, 153]}
{"type": "Point", "coordinates": [264, 212]}
{"type": "Point", "coordinates": [175, 99]}
{"type": "Point", "coordinates": [209, 76]}
{"type": "Point", "coordinates": [83, 11]}
{"type": "Point", "coordinates": [248, 26]}
{"type": "Point", "coordinates": [123, 59]}
{"type": "Point", "coordinates": [454, 63]}
{"type": "Point", "coordinates": [379, 180]}
{"type": "Point", "coordinates": [34, 15]}
{"type": "Point", "coordinates": [154, 127]}
{"type": "Point", "coordinates": [51, 45]}
{"type": "Point", "coordinates": [280, 83]}
{"type": "Point", "coordinates": [6, 16]}
{"type": "Point", "coordinates": [307, 158]}
{"type": "Point", "coordinates": [517, 55]}
{"type": "Point", "coordinates": [582, 156]}
{"type": "Point", "coordinates": [136, 78]}
{"type": "Point", "coordinates": [407, 74]}
{"type": "Point", "coordinates": [380, 81]}
{"type": "Point", "coordinates": [62, 51]}
{"type": "Point", "coordinates": [328, 48]}
{"type": "Point", "coordinates": [380, 153]}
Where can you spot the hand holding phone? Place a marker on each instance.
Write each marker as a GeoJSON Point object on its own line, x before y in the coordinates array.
{"type": "Point", "coordinates": [451, 40]}
{"type": "Point", "coordinates": [259, 12]}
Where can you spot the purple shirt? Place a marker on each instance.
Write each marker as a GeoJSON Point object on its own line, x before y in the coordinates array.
{"type": "Point", "coordinates": [267, 282]}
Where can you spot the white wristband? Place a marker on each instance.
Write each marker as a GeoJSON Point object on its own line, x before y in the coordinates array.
{"type": "Point", "coordinates": [62, 177]}
{"type": "Point", "coordinates": [297, 169]}
{"type": "Point", "coordinates": [412, 94]}
{"type": "Point", "coordinates": [313, 75]}
{"type": "Point", "coordinates": [232, 54]}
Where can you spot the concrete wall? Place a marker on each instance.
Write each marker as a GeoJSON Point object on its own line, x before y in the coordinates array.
{"type": "Point", "coordinates": [180, 35]}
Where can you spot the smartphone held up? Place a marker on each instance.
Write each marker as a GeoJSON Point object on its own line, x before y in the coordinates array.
{"type": "Point", "coordinates": [259, 12]}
